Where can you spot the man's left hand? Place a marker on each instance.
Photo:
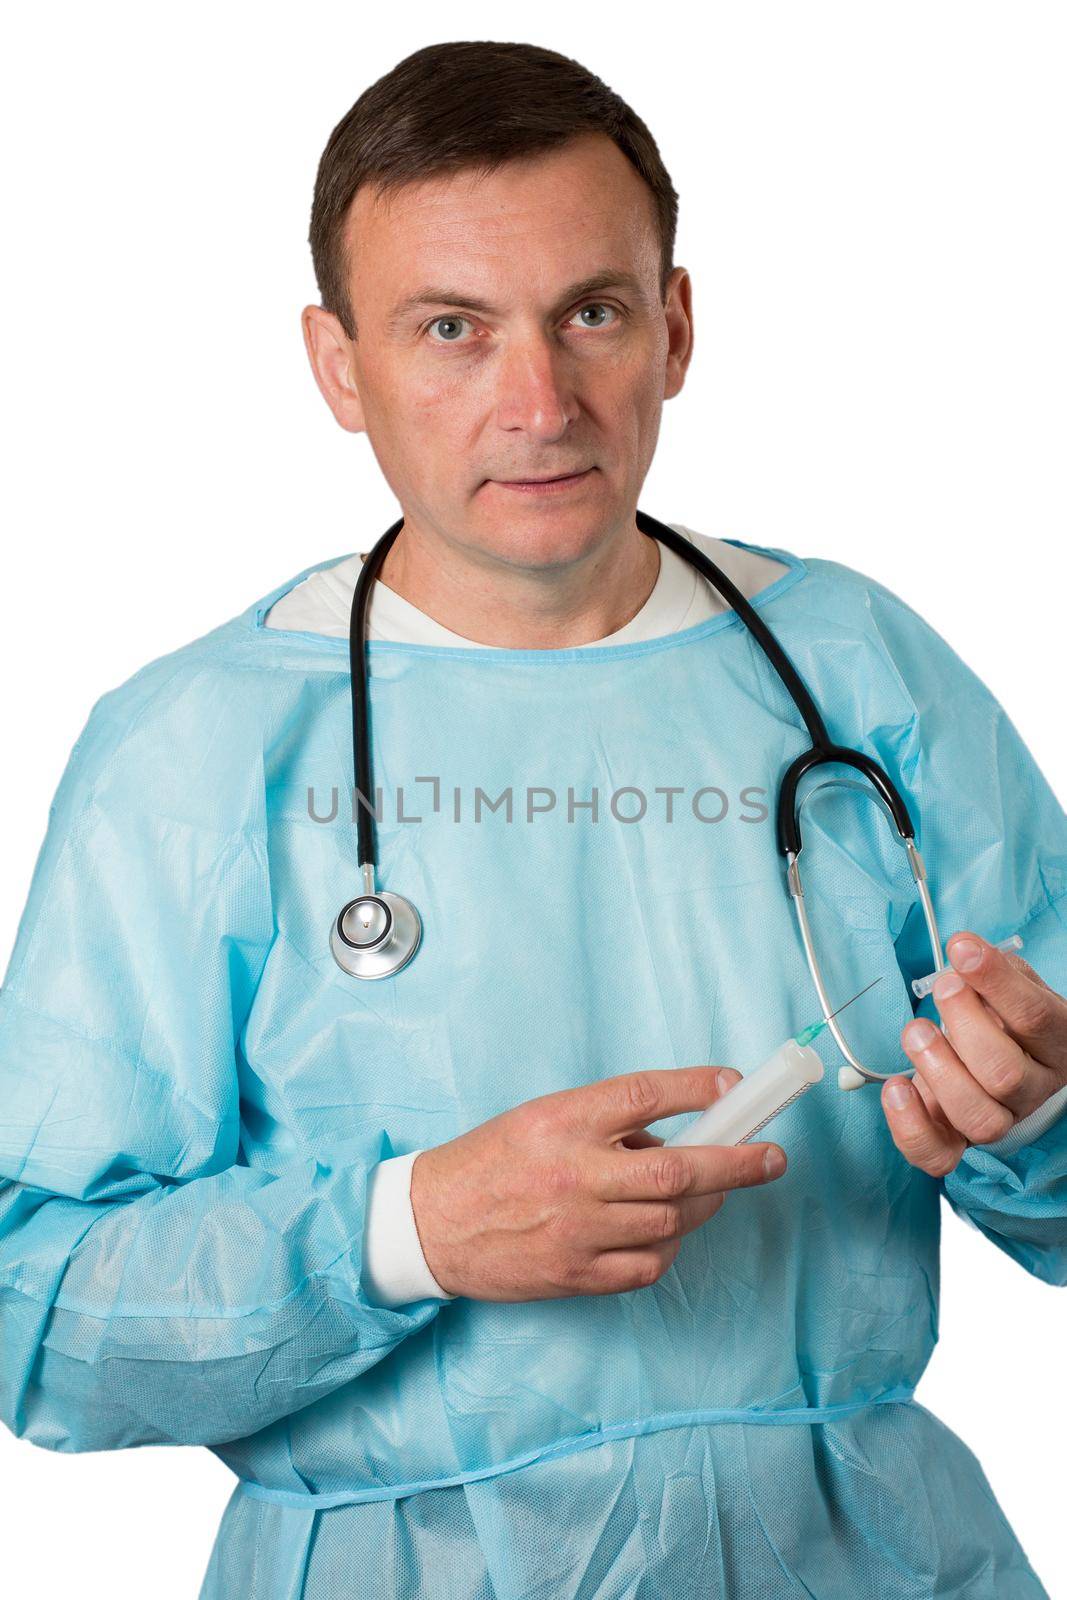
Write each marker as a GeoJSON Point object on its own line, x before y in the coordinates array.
{"type": "Point", "coordinates": [1005, 1054]}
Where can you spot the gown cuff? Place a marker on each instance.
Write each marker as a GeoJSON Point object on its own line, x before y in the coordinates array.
{"type": "Point", "coordinates": [394, 1267]}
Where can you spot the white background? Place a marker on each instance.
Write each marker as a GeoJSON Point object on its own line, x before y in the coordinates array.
{"type": "Point", "coordinates": [872, 212]}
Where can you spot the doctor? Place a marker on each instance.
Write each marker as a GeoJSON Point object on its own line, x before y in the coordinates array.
{"type": "Point", "coordinates": [406, 1253]}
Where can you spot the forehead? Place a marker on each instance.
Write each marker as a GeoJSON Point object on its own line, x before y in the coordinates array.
{"type": "Point", "coordinates": [532, 221]}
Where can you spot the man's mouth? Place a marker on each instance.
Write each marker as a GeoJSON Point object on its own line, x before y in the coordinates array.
{"type": "Point", "coordinates": [546, 485]}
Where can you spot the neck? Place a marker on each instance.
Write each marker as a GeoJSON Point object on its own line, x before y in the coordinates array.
{"type": "Point", "coordinates": [500, 603]}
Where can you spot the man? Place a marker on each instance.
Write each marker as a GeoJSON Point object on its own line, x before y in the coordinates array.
{"type": "Point", "coordinates": [405, 1253]}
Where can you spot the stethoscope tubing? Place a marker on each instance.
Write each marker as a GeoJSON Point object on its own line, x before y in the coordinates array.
{"type": "Point", "coordinates": [822, 751]}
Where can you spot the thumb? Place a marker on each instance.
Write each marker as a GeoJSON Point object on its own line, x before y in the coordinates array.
{"type": "Point", "coordinates": [641, 1139]}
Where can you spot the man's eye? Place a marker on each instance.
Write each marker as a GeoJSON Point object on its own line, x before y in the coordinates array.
{"type": "Point", "coordinates": [448, 322]}
{"type": "Point", "coordinates": [596, 305]}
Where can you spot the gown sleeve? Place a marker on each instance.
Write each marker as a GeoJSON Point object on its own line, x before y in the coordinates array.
{"type": "Point", "coordinates": [993, 837]}
{"type": "Point", "coordinates": [155, 1288]}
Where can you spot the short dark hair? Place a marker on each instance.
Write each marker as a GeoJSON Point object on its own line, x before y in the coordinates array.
{"type": "Point", "coordinates": [468, 104]}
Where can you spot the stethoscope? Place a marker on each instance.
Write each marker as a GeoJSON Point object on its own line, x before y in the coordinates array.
{"type": "Point", "coordinates": [376, 934]}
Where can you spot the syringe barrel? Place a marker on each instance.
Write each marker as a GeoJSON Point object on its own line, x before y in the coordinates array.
{"type": "Point", "coordinates": [759, 1096]}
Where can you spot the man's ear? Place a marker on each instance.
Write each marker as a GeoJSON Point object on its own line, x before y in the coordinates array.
{"type": "Point", "coordinates": [330, 352]}
{"type": "Point", "coordinates": [679, 314]}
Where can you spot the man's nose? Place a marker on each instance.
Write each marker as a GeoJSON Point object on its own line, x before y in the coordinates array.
{"type": "Point", "coordinates": [535, 387]}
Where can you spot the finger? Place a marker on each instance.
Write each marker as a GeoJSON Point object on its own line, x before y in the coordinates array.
{"type": "Point", "coordinates": [930, 1100]}
{"type": "Point", "coordinates": [992, 1055]}
{"type": "Point", "coordinates": [641, 1140]}
{"type": "Point", "coordinates": [618, 1271]}
{"type": "Point", "coordinates": [917, 1136]}
{"type": "Point", "coordinates": [680, 1170]}
{"type": "Point", "coordinates": [1034, 1013]}
{"type": "Point", "coordinates": [994, 1017]}
{"type": "Point", "coordinates": [615, 1106]}
{"type": "Point", "coordinates": [637, 1223]}
{"type": "Point", "coordinates": [969, 1108]}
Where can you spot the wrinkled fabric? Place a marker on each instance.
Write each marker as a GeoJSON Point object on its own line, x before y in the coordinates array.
{"type": "Point", "coordinates": [193, 1095]}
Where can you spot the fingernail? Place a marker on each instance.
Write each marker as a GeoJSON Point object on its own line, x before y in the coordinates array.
{"type": "Point", "coordinates": [898, 1093]}
{"type": "Point", "coordinates": [920, 1034]}
{"type": "Point", "coordinates": [774, 1162]}
{"type": "Point", "coordinates": [726, 1079]}
{"type": "Point", "coordinates": [947, 986]}
{"type": "Point", "coordinates": [966, 955]}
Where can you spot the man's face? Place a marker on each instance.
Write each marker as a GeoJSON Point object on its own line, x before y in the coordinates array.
{"type": "Point", "coordinates": [510, 370]}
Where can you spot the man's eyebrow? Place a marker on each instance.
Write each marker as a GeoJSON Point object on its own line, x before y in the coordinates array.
{"type": "Point", "coordinates": [609, 278]}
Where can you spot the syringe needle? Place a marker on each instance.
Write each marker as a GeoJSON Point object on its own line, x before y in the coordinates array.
{"type": "Point", "coordinates": [806, 1035]}
{"type": "Point", "coordinates": [871, 985]}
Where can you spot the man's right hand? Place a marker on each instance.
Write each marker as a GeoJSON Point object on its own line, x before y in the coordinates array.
{"type": "Point", "coordinates": [569, 1194]}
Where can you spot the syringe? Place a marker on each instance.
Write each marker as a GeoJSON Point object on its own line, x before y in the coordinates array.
{"type": "Point", "coordinates": [776, 1083]}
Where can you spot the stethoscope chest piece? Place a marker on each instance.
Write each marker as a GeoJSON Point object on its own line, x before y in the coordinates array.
{"type": "Point", "coordinates": [375, 935]}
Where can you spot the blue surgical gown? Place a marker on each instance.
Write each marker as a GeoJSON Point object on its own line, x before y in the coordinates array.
{"type": "Point", "coordinates": [193, 1095]}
